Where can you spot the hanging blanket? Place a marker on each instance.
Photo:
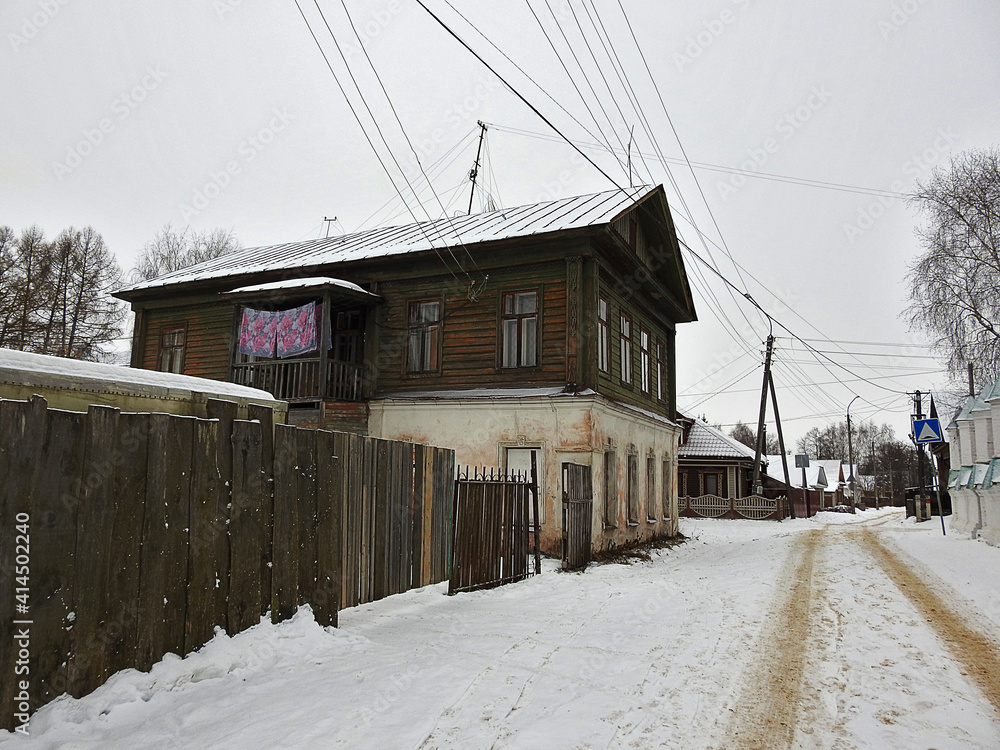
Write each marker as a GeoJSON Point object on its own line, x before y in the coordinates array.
{"type": "Point", "coordinates": [257, 332]}
{"type": "Point", "coordinates": [297, 331]}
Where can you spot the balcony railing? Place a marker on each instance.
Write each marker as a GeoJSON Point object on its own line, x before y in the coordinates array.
{"type": "Point", "coordinates": [299, 379]}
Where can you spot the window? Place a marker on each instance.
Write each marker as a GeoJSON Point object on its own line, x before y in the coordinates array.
{"type": "Point", "coordinates": [603, 336]}
{"type": "Point", "coordinates": [632, 487]}
{"type": "Point", "coordinates": [519, 330]}
{"type": "Point", "coordinates": [651, 489]}
{"type": "Point", "coordinates": [659, 370]}
{"type": "Point", "coordinates": [711, 483]}
{"type": "Point", "coordinates": [665, 481]}
{"type": "Point", "coordinates": [348, 336]}
{"type": "Point", "coordinates": [423, 337]}
{"type": "Point", "coordinates": [519, 460]}
{"type": "Point", "coordinates": [626, 349]}
{"type": "Point", "coordinates": [644, 369]}
{"type": "Point", "coordinates": [610, 489]}
{"type": "Point", "coordinates": [172, 350]}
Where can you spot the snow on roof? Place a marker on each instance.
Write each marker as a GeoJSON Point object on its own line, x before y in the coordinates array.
{"type": "Point", "coordinates": [308, 283]}
{"type": "Point", "coordinates": [539, 218]}
{"type": "Point", "coordinates": [26, 369]}
{"type": "Point", "coordinates": [815, 474]}
{"type": "Point", "coordinates": [832, 467]}
{"type": "Point", "coordinates": [703, 440]}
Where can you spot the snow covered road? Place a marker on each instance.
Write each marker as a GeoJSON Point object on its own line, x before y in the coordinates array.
{"type": "Point", "coordinates": [806, 634]}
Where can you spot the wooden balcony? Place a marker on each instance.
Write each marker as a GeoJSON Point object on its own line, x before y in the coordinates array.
{"type": "Point", "coordinates": [299, 379]}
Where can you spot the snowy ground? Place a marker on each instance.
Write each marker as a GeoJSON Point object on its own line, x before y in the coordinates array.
{"type": "Point", "coordinates": [801, 634]}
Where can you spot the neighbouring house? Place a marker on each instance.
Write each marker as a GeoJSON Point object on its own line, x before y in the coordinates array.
{"type": "Point", "coordinates": [711, 462]}
{"type": "Point", "coordinates": [73, 385]}
{"type": "Point", "coordinates": [809, 495]}
{"type": "Point", "coordinates": [974, 448]}
{"type": "Point", "coordinates": [837, 472]}
{"type": "Point", "coordinates": [545, 330]}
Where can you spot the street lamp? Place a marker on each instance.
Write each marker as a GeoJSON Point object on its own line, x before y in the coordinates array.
{"type": "Point", "coordinates": [850, 451]}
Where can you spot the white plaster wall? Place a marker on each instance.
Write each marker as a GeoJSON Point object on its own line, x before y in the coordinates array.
{"type": "Point", "coordinates": [965, 517]}
{"type": "Point", "coordinates": [995, 420]}
{"type": "Point", "coordinates": [990, 500]}
{"type": "Point", "coordinates": [569, 429]}
{"type": "Point", "coordinates": [955, 446]}
{"type": "Point", "coordinates": [966, 436]}
{"type": "Point", "coordinates": [984, 435]}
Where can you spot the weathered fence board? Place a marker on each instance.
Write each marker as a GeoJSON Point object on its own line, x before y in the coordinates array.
{"type": "Point", "coordinates": [150, 530]}
{"type": "Point", "coordinates": [246, 528]}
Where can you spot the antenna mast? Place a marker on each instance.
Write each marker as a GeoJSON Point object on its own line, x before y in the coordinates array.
{"type": "Point", "coordinates": [475, 169]}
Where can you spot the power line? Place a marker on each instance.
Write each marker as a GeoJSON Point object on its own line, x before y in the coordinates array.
{"type": "Point", "coordinates": [378, 156]}
{"type": "Point", "coordinates": [803, 181]}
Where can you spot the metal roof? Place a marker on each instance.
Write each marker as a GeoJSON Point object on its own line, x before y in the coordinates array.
{"type": "Point", "coordinates": [449, 232]}
{"type": "Point", "coordinates": [704, 441]}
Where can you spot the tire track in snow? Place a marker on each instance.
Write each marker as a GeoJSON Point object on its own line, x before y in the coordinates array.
{"type": "Point", "coordinates": [766, 713]}
{"type": "Point", "coordinates": [978, 653]}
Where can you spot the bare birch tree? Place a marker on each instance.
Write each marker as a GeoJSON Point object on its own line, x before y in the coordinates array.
{"type": "Point", "coordinates": [955, 283]}
{"type": "Point", "coordinates": [171, 250]}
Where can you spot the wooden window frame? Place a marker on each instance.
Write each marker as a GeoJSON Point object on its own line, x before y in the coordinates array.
{"type": "Point", "coordinates": [632, 486]}
{"type": "Point", "coordinates": [610, 489]}
{"type": "Point", "coordinates": [625, 348]}
{"type": "Point", "coordinates": [519, 317]}
{"type": "Point", "coordinates": [702, 475]}
{"type": "Point", "coordinates": [645, 372]}
{"type": "Point", "coordinates": [659, 370]}
{"type": "Point", "coordinates": [651, 516]}
{"type": "Point", "coordinates": [422, 329]}
{"type": "Point", "coordinates": [179, 351]}
{"type": "Point", "coordinates": [604, 335]}
{"type": "Point", "coordinates": [666, 479]}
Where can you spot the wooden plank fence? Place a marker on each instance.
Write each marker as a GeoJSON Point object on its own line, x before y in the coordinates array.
{"type": "Point", "coordinates": [754, 507]}
{"type": "Point", "coordinates": [146, 531]}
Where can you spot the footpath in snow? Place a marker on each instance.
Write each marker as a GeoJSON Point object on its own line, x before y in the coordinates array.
{"type": "Point", "coordinates": [835, 632]}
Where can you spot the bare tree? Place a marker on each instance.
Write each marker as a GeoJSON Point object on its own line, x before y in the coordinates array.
{"type": "Point", "coordinates": [955, 283]}
{"type": "Point", "coordinates": [171, 250]}
{"type": "Point", "coordinates": [83, 318]}
{"type": "Point", "coordinates": [55, 296]}
{"type": "Point", "coordinates": [747, 435]}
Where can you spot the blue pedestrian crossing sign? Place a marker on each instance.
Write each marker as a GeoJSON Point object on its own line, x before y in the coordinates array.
{"type": "Point", "coordinates": [927, 431]}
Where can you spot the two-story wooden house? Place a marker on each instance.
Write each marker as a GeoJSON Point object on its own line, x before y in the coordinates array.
{"type": "Point", "coordinates": [545, 329]}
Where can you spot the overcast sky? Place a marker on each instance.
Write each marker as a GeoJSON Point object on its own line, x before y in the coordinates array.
{"type": "Point", "coordinates": [126, 115]}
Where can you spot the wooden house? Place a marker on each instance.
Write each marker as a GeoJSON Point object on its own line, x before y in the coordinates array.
{"type": "Point", "coordinates": [546, 329]}
{"type": "Point", "coordinates": [712, 463]}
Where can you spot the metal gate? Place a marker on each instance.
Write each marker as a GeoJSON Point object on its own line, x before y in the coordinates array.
{"type": "Point", "coordinates": [577, 516]}
{"type": "Point", "coordinates": [494, 533]}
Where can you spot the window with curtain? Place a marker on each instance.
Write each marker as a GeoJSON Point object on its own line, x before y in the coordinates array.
{"type": "Point", "coordinates": [519, 330]}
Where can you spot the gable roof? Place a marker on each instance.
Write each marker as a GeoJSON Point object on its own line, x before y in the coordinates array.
{"type": "Point", "coordinates": [532, 220]}
{"type": "Point", "coordinates": [815, 473]}
{"type": "Point", "coordinates": [704, 441]}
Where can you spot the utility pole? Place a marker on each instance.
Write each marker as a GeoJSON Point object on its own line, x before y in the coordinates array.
{"type": "Point", "coordinates": [972, 381]}
{"type": "Point", "coordinates": [763, 409]}
{"type": "Point", "coordinates": [781, 439]}
{"type": "Point", "coordinates": [475, 169]}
